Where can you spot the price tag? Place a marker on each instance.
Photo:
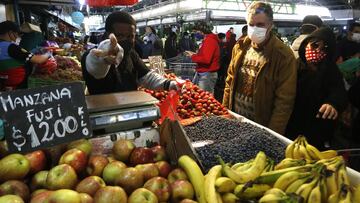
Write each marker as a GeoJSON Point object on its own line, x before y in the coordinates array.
{"type": "Point", "coordinates": [44, 117]}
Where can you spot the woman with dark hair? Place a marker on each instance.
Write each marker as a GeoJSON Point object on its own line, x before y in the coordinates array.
{"type": "Point", "coordinates": [321, 95]}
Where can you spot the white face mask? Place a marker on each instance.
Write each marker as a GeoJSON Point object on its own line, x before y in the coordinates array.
{"type": "Point", "coordinates": [257, 34]}
{"type": "Point", "coordinates": [356, 37]}
{"type": "Point", "coordinates": [17, 41]}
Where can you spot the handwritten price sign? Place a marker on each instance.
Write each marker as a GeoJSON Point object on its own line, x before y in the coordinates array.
{"type": "Point", "coordinates": [43, 117]}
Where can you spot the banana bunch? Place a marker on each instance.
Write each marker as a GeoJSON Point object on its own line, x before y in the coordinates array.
{"type": "Point", "coordinates": [276, 195]}
{"type": "Point", "coordinates": [242, 173]}
{"type": "Point", "coordinates": [301, 149]}
{"type": "Point", "coordinates": [289, 162]}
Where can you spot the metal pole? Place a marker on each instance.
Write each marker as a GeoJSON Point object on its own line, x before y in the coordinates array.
{"type": "Point", "coordinates": [16, 11]}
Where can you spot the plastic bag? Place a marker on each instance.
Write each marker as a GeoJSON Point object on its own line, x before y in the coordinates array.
{"type": "Point", "coordinates": [168, 106]}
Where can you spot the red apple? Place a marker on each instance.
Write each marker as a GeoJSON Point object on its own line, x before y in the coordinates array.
{"type": "Point", "coordinates": [160, 187]}
{"type": "Point", "coordinates": [15, 187]}
{"type": "Point", "coordinates": [112, 171]}
{"type": "Point", "coordinates": [14, 167]}
{"type": "Point", "coordinates": [85, 198]}
{"type": "Point", "coordinates": [61, 177]}
{"type": "Point", "coordinates": [75, 158]}
{"type": "Point", "coordinates": [122, 149]}
{"type": "Point", "coordinates": [141, 155]}
{"type": "Point", "coordinates": [130, 179]}
{"type": "Point", "coordinates": [148, 170]}
{"type": "Point", "coordinates": [110, 194]}
{"type": "Point", "coordinates": [164, 168]}
{"type": "Point", "coordinates": [142, 195]}
{"type": "Point", "coordinates": [159, 153]}
{"type": "Point", "coordinates": [188, 201]}
{"type": "Point", "coordinates": [11, 199]}
{"type": "Point", "coordinates": [96, 165]}
{"type": "Point", "coordinates": [37, 161]}
{"type": "Point", "coordinates": [83, 144]}
{"type": "Point", "coordinates": [182, 189]}
{"type": "Point", "coordinates": [90, 185]}
{"type": "Point", "coordinates": [41, 197]}
{"type": "Point", "coordinates": [177, 174]}
{"type": "Point", "coordinates": [38, 181]}
{"type": "Point", "coordinates": [36, 192]}
{"type": "Point", "coordinates": [64, 195]}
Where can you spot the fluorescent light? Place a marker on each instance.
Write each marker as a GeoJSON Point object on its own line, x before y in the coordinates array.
{"type": "Point", "coordinates": [304, 10]}
{"type": "Point", "coordinates": [344, 18]}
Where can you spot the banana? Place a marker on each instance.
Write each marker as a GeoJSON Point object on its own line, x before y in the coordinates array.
{"type": "Point", "coordinates": [347, 198]}
{"type": "Point", "coordinates": [273, 198]}
{"type": "Point", "coordinates": [334, 198]}
{"type": "Point", "coordinates": [290, 150]}
{"type": "Point", "coordinates": [315, 194]}
{"type": "Point", "coordinates": [285, 180]}
{"type": "Point", "coordinates": [356, 194]}
{"type": "Point", "coordinates": [195, 175]}
{"type": "Point", "coordinates": [210, 192]}
{"type": "Point", "coordinates": [289, 162]}
{"type": "Point", "coordinates": [305, 189]}
{"type": "Point", "coordinates": [269, 166]}
{"type": "Point", "coordinates": [293, 187]}
{"type": "Point", "coordinates": [218, 197]}
{"type": "Point", "coordinates": [323, 189]}
{"type": "Point", "coordinates": [275, 191]}
{"type": "Point", "coordinates": [343, 177]}
{"type": "Point", "coordinates": [272, 176]}
{"type": "Point", "coordinates": [242, 166]}
{"type": "Point", "coordinates": [328, 154]}
{"type": "Point", "coordinates": [250, 174]}
{"type": "Point", "coordinates": [229, 198]}
{"type": "Point", "coordinates": [296, 152]}
{"type": "Point", "coordinates": [331, 182]}
{"type": "Point", "coordinates": [313, 152]}
{"type": "Point", "coordinates": [303, 152]}
{"type": "Point", "coordinates": [224, 185]}
{"type": "Point", "coordinates": [250, 191]}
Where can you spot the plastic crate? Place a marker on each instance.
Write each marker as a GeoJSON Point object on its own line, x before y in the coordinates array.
{"type": "Point", "coordinates": [184, 71]}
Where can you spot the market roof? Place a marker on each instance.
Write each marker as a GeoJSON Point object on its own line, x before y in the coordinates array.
{"type": "Point", "coordinates": [44, 2]}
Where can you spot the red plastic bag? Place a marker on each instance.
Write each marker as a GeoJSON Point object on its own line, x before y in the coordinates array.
{"type": "Point", "coordinates": [168, 106]}
{"type": "Point", "coordinates": [48, 67]}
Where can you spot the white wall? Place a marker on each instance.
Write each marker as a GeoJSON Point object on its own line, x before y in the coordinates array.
{"type": "Point", "coordinates": [2, 13]}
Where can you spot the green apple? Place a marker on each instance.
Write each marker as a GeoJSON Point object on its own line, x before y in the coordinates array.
{"type": "Point", "coordinates": [85, 198]}
{"type": "Point", "coordinates": [38, 181]}
{"type": "Point", "coordinates": [83, 144]}
{"type": "Point", "coordinates": [122, 149]}
{"type": "Point", "coordinates": [149, 170]}
{"type": "Point", "coordinates": [61, 177]}
{"type": "Point", "coordinates": [142, 195]}
{"type": "Point", "coordinates": [38, 191]}
{"type": "Point", "coordinates": [177, 174]}
{"type": "Point", "coordinates": [11, 199]}
{"type": "Point", "coordinates": [64, 196]}
{"type": "Point", "coordinates": [112, 171]}
{"type": "Point", "coordinates": [90, 185]}
{"type": "Point", "coordinates": [15, 187]}
{"type": "Point", "coordinates": [130, 179]}
{"type": "Point", "coordinates": [110, 194]}
{"type": "Point", "coordinates": [182, 189]}
{"type": "Point", "coordinates": [160, 187]}
{"type": "Point", "coordinates": [14, 167]}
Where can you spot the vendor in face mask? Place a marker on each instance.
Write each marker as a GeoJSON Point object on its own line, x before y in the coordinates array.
{"type": "Point", "coordinates": [321, 94]}
{"type": "Point", "coordinates": [115, 66]}
{"type": "Point", "coordinates": [261, 80]}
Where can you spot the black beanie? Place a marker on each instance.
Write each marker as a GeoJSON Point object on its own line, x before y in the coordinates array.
{"type": "Point", "coordinates": [118, 17]}
{"type": "Point", "coordinates": [7, 26]}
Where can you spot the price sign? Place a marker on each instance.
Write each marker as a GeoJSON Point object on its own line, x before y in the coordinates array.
{"type": "Point", "coordinates": [43, 117]}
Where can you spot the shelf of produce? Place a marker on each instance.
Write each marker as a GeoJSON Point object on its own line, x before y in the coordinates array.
{"type": "Point", "coordinates": [353, 175]}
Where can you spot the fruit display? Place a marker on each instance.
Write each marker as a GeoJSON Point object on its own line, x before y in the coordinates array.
{"type": "Point", "coordinates": [193, 101]}
{"type": "Point", "coordinates": [129, 174]}
{"type": "Point", "coordinates": [67, 69]}
{"type": "Point", "coordinates": [233, 140]}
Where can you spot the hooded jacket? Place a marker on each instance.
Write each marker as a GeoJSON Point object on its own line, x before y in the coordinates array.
{"type": "Point", "coordinates": [208, 56]}
{"type": "Point", "coordinates": [324, 85]}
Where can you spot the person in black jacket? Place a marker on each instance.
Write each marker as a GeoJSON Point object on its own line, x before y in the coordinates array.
{"type": "Point", "coordinates": [115, 66]}
{"type": "Point", "coordinates": [171, 48]}
{"type": "Point", "coordinates": [321, 95]}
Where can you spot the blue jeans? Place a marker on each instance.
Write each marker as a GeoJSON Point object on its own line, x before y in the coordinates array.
{"type": "Point", "coordinates": [206, 81]}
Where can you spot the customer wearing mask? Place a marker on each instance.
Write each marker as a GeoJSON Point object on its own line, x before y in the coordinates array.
{"type": "Point", "coordinates": [186, 43]}
{"type": "Point", "coordinates": [115, 66]}
{"type": "Point", "coordinates": [261, 80]}
{"type": "Point", "coordinates": [344, 48]}
{"type": "Point", "coordinates": [207, 58]}
{"type": "Point", "coordinates": [321, 94]}
{"type": "Point", "coordinates": [15, 62]}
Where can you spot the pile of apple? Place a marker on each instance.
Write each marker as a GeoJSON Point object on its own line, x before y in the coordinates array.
{"type": "Point", "coordinates": [193, 102]}
{"type": "Point", "coordinates": [129, 175]}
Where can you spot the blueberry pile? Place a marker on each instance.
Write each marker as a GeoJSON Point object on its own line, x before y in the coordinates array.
{"type": "Point", "coordinates": [233, 140]}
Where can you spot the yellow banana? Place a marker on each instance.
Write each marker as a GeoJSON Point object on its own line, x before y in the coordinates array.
{"type": "Point", "coordinates": [343, 178]}
{"type": "Point", "coordinates": [275, 191]}
{"type": "Point", "coordinates": [328, 154]}
{"type": "Point", "coordinates": [289, 162]}
{"type": "Point", "coordinates": [305, 189]}
{"type": "Point", "coordinates": [356, 195]}
{"type": "Point", "coordinates": [242, 166]}
{"type": "Point", "coordinates": [334, 198]}
{"type": "Point", "coordinates": [303, 152]}
{"type": "Point", "coordinates": [229, 198]}
{"type": "Point", "coordinates": [195, 175]}
{"type": "Point", "coordinates": [331, 183]}
{"type": "Point", "coordinates": [272, 176]}
{"type": "Point", "coordinates": [290, 150]}
{"type": "Point", "coordinates": [315, 194]}
{"type": "Point", "coordinates": [293, 187]}
{"type": "Point", "coordinates": [296, 153]}
{"type": "Point", "coordinates": [245, 192]}
{"type": "Point", "coordinates": [273, 198]}
{"type": "Point", "coordinates": [224, 184]}
{"type": "Point", "coordinates": [211, 176]}
{"type": "Point", "coordinates": [313, 152]}
{"type": "Point", "coordinates": [218, 197]}
{"type": "Point", "coordinates": [323, 189]}
{"type": "Point", "coordinates": [250, 174]}
{"type": "Point", "coordinates": [347, 198]}
{"type": "Point", "coordinates": [285, 180]}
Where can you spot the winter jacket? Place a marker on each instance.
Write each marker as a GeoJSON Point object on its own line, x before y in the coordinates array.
{"type": "Point", "coordinates": [354, 97]}
{"type": "Point", "coordinates": [275, 86]}
{"type": "Point", "coordinates": [208, 56]}
{"type": "Point", "coordinates": [315, 88]}
{"type": "Point", "coordinates": [170, 48]}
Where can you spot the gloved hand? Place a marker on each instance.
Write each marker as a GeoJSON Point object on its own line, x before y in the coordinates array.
{"type": "Point", "coordinates": [177, 84]}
